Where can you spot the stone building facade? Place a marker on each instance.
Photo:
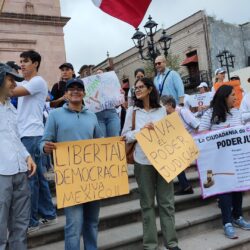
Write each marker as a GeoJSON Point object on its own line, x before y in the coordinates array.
{"type": "Point", "coordinates": [196, 41]}
{"type": "Point", "coordinates": [33, 24]}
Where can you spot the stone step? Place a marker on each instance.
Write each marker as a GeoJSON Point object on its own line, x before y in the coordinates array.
{"type": "Point", "coordinates": [115, 216]}
{"type": "Point", "coordinates": [190, 224]}
{"type": "Point", "coordinates": [215, 240]}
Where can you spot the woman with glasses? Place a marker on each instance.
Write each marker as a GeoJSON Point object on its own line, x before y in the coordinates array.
{"type": "Point", "coordinates": [151, 184]}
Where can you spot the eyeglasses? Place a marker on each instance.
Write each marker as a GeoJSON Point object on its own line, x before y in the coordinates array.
{"type": "Point", "coordinates": [140, 87]}
{"type": "Point", "coordinates": [75, 89]}
{"type": "Point", "coordinates": [158, 63]}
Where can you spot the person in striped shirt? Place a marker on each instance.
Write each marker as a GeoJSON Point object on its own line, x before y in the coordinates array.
{"type": "Point", "coordinates": [222, 114]}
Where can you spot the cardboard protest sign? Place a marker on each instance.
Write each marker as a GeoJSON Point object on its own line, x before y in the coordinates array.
{"type": "Point", "coordinates": [90, 170]}
{"type": "Point", "coordinates": [103, 91]}
{"type": "Point", "coordinates": [224, 161]}
{"type": "Point", "coordinates": [237, 88]}
{"type": "Point", "coordinates": [169, 147]}
{"type": "Point", "coordinates": [198, 100]}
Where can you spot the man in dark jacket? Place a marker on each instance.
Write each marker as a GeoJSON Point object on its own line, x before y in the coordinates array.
{"type": "Point", "coordinates": [58, 89]}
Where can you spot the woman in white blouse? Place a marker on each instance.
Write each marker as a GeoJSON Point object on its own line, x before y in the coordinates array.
{"type": "Point", "coordinates": [150, 183]}
{"type": "Point", "coordinates": [222, 114]}
{"type": "Point", "coordinates": [245, 108]}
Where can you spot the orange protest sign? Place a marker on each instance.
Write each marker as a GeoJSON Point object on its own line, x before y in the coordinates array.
{"type": "Point", "coordinates": [169, 147]}
{"type": "Point", "coordinates": [90, 170]}
{"type": "Point", "coordinates": [237, 88]}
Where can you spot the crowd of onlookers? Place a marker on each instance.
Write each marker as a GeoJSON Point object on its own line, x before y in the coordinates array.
{"type": "Point", "coordinates": [26, 105]}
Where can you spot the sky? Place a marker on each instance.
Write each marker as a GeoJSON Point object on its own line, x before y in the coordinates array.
{"type": "Point", "coordinates": [91, 33]}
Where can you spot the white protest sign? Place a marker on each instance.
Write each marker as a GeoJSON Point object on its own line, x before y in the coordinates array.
{"type": "Point", "coordinates": [103, 91]}
{"type": "Point", "coordinates": [224, 161]}
{"type": "Point", "coordinates": [198, 100]}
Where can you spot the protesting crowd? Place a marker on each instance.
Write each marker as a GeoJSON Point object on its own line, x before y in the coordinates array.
{"type": "Point", "coordinates": [34, 119]}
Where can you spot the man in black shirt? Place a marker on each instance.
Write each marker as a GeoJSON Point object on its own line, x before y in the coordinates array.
{"type": "Point", "coordinates": [58, 89]}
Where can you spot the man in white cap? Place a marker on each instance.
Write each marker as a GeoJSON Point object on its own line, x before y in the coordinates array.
{"type": "Point", "coordinates": [203, 88]}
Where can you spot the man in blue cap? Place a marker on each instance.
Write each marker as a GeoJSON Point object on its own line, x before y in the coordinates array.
{"type": "Point", "coordinates": [74, 122]}
{"type": "Point", "coordinates": [15, 164]}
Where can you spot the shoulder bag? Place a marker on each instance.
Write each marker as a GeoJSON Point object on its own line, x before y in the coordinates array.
{"type": "Point", "coordinates": [130, 147]}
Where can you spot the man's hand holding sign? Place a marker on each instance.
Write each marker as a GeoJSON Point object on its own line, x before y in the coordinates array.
{"type": "Point", "coordinates": [90, 170]}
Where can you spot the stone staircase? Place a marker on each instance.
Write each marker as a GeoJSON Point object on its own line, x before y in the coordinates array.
{"type": "Point", "coordinates": [198, 223]}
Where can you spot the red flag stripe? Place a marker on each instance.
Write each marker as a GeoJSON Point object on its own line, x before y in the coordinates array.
{"type": "Point", "coordinates": [129, 11]}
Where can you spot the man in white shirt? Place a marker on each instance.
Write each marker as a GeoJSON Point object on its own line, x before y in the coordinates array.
{"type": "Point", "coordinates": [15, 163]}
{"type": "Point", "coordinates": [32, 93]}
{"type": "Point", "coordinates": [191, 124]}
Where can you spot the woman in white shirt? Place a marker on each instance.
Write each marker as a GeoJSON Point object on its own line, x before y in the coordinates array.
{"type": "Point", "coordinates": [222, 114]}
{"type": "Point", "coordinates": [245, 108]}
{"type": "Point", "coordinates": [150, 183]}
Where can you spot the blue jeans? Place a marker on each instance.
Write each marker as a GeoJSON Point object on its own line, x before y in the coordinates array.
{"type": "Point", "coordinates": [41, 201]}
{"type": "Point", "coordinates": [231, 206]}
{"type": "Point", "coordinates": [109, 122]}
{"type": "Point", "coordinates": [82, 219]}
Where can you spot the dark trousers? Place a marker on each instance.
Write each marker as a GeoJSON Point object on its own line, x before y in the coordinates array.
{"type": "Point", "coordinates": [183, 180]}
{"type": "Point", "coordinates": [231, 206]}
{"type": "Point", "coordinates": [150, 185]}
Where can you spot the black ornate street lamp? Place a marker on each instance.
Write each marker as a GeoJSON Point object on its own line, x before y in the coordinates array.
{"type": "Point", "coordinates": [139, 39]}
{"type": "Point", "coordinates": [165, 42]}
{"type": "Point", "coordinates": [226, 59]}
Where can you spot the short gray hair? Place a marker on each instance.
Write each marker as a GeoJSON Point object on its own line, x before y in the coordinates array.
{"type": "Point", "coordinates": [168, 99]}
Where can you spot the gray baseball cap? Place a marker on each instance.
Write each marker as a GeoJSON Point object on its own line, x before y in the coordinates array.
{"type": "Point", "coordinates": [7, 70]}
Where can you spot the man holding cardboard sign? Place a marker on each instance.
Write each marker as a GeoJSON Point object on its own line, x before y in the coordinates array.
{"type": "Point", "coordinates": [73, 122]}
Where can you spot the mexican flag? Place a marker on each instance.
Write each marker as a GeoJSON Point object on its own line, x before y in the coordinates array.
{"type": "Point", "coordinates": [129, 11]}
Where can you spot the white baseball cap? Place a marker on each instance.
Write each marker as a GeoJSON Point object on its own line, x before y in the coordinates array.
{"type": "Point", "coordinates": [202, 85]}
{"type": "Point", "coordinates": [219, 71]}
